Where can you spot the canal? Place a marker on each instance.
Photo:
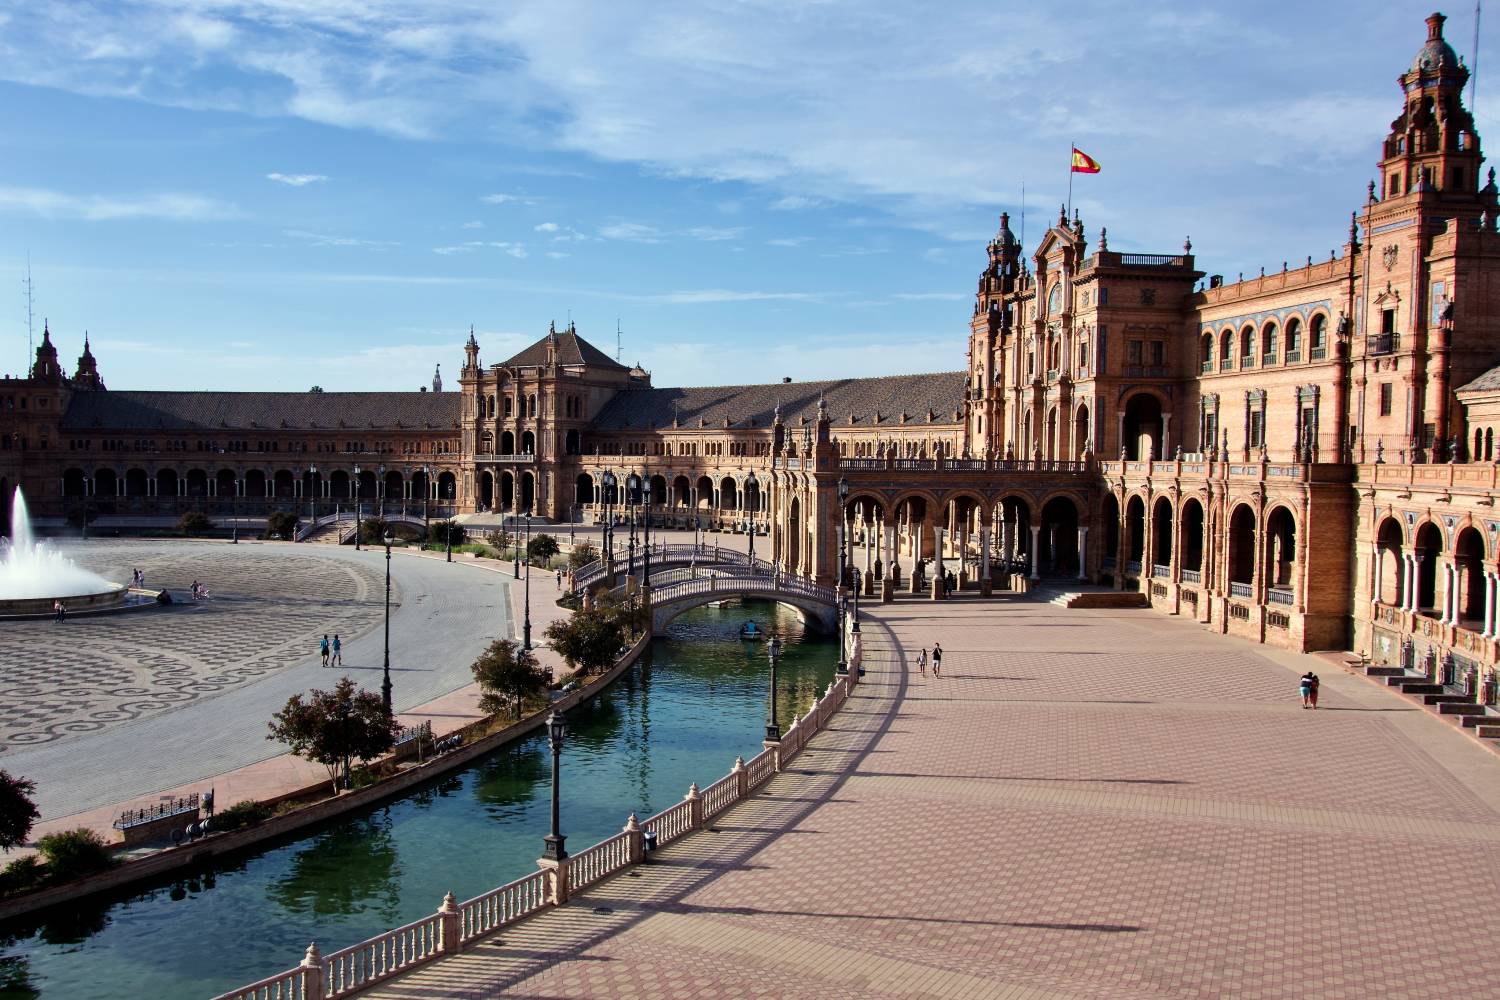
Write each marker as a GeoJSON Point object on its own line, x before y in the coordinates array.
{"type": "Point", "coordinates": [695, 701]}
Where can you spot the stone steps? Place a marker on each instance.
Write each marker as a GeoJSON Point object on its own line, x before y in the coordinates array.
{"type": "Point", "coordinates": [1419, 687]}
{"type": "Point", "coordinates": [1464, 707]}
{"type": "Point", "coordinates": [1101, 599]}
{"type": "Point", "coordinates": [1490, 732]}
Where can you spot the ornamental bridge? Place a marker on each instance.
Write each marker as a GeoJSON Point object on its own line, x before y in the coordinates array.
{"type": "Point", "coordinates": [674, 591]}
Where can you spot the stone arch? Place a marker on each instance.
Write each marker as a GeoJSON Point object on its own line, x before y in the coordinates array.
{"type": "Point", "coordinates": [1161, 532]}
{"type": "Point", "coordinates": [729, 494]}
{"type": "Point", "coordinates": [447, 484]}
{"type": "Point", "coordinates": [366, 482]}
{"type": "Point", "coordinates": [338, 484]}
{"type": "Point", "coordinates": [1206, 352]}
{"type": "Point", "coordinates": [225, 483]}
{"type": "Point", "coordinates": [1317, 335]}
{"type": "Point", "coordinates": [1247, 346]}
{"type": "Point", "coordinates": [1468, 564]}
{"type": "Point", "coordinates": [1135, 530]}
{"type": "Point", "coordinates": [682, 491]}
{"type": "Point", "coordinates": [1427, 546]}
{"type": "Point", "coordinates": [1280, 539]}
{"type": "Point", "coordinates": [1190, 531]}
{"type": "Point", "coordinates": [528, 493]}
{"type": "Point", "coordinates": [507, 443]}
{"type": "Point", "coordinates": [583, 489]}
{"type": "Point", "coordinates": [1109, 522]}
{"type": "Point", "coordinates": [1268, 343]}
{"type": "Point", "coordinates": [75, 484]}
{"type": "Point", "coordinates": [1294, 337]}
{"type": "Point", "coordinates": [1058, 541]}
{"type": "Point", "coordinates": [195, 483]}
{"type": "Point", "coordinates": [106, 484]}
{"type": "Point", "coordinates": [794, 533]}
{"type": "Point", "coordinates": [1390, 568]}
{"type": "Point", "coordinates": [572, 443]}
{"type": "Point", "coordinates": [1082, 436]}
{"type": "Point", "coordinates": [254, 481]}
{"type": "Point", "coordinates": [656, 490]}
{"type": "Point", "coordinates": [528, 443]}
{"type": "Point", "coordinates": [705, 493]}
{"type": "Point", "coordinates": [507, 490]}
{"type": "Point", "coordinates": [1242, 532]}
{"type": "Point", "coordinates": [283, 484]}
{"type": "Point", "coordinates": [487, 489]}
{"type": "Point", "coordinates": [1226, 348]}
{"type": "Point", "coordinates": [394, 482]}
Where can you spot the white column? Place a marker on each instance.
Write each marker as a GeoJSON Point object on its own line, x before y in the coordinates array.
{"type": "Point", "coordinates": [1413, 581]}
{"type": "Point", "coordinates": [1445, 610]}
{"type": "Point", "coordinates": [1083, 537]}
{"type": "Point", "coordinates": [1489, 604]}
{"type": "Point", "coordinates": [939, 537]}
{"type": "Point", "coordinates": [1379, 574]}
{"type": "Point", "coordinates": [1036, 545]}
{"type": "Point", "coordinates": [1403, 574]}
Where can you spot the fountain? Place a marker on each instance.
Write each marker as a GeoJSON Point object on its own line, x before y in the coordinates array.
{"type": "Point", "coordinates": [33, 574]}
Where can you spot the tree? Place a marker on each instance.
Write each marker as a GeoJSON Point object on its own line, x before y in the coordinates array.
{"type": "Point", "coordinates": [282, 524]}
{"type": "Point", "coordinates": [334, 728]}
{"type": "Point", "coordinates": [17, 811]}
{"type": "Point", "coordinates": [437, 532]}
{"type": "Point", "coordinates": [583, 553]}
{"type": "Point", "coordinates": [509, 676]}
{"type": "Point", "coordinates": [316, 388]}
{"type": "Point", "coordinates": [195, 522]}
{"type": "Point", "coordinates": [541, 547]}
{"type": "Point", "coordinates": [589, 640]}
{"type": "Point", "coordinates": [372, 530]}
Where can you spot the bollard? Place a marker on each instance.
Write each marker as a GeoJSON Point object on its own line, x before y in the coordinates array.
{"type": "Point", "coordinates": [448, 916]}
{"type": "Point", "coordinates": [312, 973]}
{"type": "Point", "coordinates": [636, 840]}
{"type": "Point", "coordinates": [695, 812]}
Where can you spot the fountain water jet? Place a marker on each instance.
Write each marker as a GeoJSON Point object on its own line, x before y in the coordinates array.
{"type": "Point", "coordinates": [33, 574]}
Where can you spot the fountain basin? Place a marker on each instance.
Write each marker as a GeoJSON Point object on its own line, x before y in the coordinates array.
{"type": "Point", "coordinates": [117, 596]}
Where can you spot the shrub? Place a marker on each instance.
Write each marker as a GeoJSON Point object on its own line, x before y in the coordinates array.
{"type": "Point", "coordinates": [17, 811]}
{"type": "Point", "coordinates": [437, 533]}
{"type": "Point", "coordinates": [241, 815]}
{"type": "Point", "coordinates": [282, 524]}
{"type": "Point", "coordinates": [74, 854]}
{"type": "Point", "coordinates": [583, 553]}
{"type": "Point", "coordinates": [194, 523]}
{"type": "Point", "coordinates": [335, 728]}
{"type": "Point", "coordinates": [372, 530]}
{"type": "Point", "coordinates": [509, 676]}
{"type": "Point", "coordinates": [541, 547]}
{"type": "Point", "coordinates": [22, 874]}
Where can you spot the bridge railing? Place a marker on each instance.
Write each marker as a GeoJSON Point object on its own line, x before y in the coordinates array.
{"type": "Point", "coordinates": [591, 573]}
{"type": "Point", "coordinates": [456, 926]}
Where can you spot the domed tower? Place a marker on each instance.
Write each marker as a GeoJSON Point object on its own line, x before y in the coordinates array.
{"type": "Point", "coordinates": [87, 374]}
{"type": "Point", "coordinates": [1432, 147]}
{"type": "Point", "coordinates": [471, 358]}
{"type": "Point", "coordinates": [987, 332]}
{"type": "Point", "coordinates": [46, 368]}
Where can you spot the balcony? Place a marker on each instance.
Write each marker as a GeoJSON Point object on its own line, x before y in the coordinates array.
{"type": "Point", "coordinates": [1240, 589]}
{"type": "Point", "coordinates": [1226, 365]}
{"type": "Point", "coordinates": [1161, 571]}
{"type": "Point", "coordinates": [1208, 367]}
{"type": "Point", "coordinates": [1192, 576]}
{"type": "Point", "coordinates": [1133, 566]}
{"type": "Point", "coordinates": [1317, 354]}
{"type": "Point", "coordinates": [1383, 343]}
{"type": "Point", "coordinates": [505, 459]}
{"type": "Point", "coordinates": [1279, 595]}
{"type": "Point", "coordinates": [1152, 260]}
{"type": "Point", "coordinates": [1247, 361]}
{"type": "Point", "coordinates": [1293, 357]}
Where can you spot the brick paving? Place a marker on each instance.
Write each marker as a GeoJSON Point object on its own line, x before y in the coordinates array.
{"type": "Point", "coordinates": [1087, 804]}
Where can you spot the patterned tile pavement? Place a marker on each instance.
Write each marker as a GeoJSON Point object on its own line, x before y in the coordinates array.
{"type": "Point", "coordinates": [1092, 804]}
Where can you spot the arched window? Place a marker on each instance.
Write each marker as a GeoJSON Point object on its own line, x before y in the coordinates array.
{"type": "Point", "coordinates": [1319, 337]}
{"type": "Point", "coordinates": [508, 407]}
{"type": "Point", "coordinates": [1268, 345]}
{"type": "Point", "coordinates": [1489, 444]}
{"type": "Point", "coordinates": [1207, 354]}
{"type": "Point", "coordinates": [1293, 340]}
{"type": "Point", "coordinates": [1247, 347]}
{"type": "Point", "coordinates": [1226, 350]}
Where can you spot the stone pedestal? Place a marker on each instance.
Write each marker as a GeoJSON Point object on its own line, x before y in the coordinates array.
{"type": "Point", "coordinates": [887, 590]}
{"type": "Point", "coordinates": [937, 588]}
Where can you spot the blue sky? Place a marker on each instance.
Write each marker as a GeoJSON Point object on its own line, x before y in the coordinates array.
{"type": "Point", "coordinates": [249, 194]}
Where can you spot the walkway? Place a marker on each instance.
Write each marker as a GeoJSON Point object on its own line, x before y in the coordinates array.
{"type": "Point", "coordinates": [1086, 804]}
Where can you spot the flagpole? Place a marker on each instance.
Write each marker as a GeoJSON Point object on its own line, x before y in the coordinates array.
{"type": "Point", "coordinates": [1070, 181]}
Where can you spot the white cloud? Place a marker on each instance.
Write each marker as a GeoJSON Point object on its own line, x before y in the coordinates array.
{"type": "Point", "coordinates": [173, 207]}
{"type": "Point", "coordinates": [517, 250]}
{"type": "Point", "coordinates": [793, 203]}
{"type": "Point", "coordinates": [557, 254]}
{"type": "Point", "coordinates": [788, 241]}
{"type": "Point", "coordinates": [930, 296]}
{"type": "Point", "coordinates": [715, 295]}
{"type": "Point", "coordinates": [507, 199]}
{"type": "Point", "coordinates": [472, 224]}
{"type": "Point", "coordinates": [713, 234]}
{"type": "Point", "coordinates": [324, 240]}
{"type": "Point", "coordinates": [296, 180]}
{"type": "Point", "coordinates": [547, 227]}
{"type": "Point", "coordinates": [632, 231]}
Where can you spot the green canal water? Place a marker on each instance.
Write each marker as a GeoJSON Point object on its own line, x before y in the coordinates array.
{"type": "Point", "coordinates": [681, 715]}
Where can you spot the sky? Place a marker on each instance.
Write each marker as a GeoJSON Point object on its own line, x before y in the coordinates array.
{"type": "Point", "coordinates": [271, 194]}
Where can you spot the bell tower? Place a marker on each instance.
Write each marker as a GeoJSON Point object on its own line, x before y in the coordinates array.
{"type": "Point", "coordinates": [1432, 148]}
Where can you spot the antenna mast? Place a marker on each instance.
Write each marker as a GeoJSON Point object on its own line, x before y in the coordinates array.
{"type": "Point", "coordinates": [1474, 63]}
{"type": "Point", "coordinates": [618, 351]}
{"type": "Point", "coordinates": [30, 320]}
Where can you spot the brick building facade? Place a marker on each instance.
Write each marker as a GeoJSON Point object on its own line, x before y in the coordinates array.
{"type": "Point", "coordinates": [1304, 457]}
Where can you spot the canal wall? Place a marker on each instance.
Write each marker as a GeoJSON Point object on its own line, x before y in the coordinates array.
{"type": "Point", "coordinates": [193, 854]}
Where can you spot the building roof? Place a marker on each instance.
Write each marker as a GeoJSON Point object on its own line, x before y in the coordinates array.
{"type": "Point", "coordinates": [1488, 382]}
{"type": "Point", "coordinates": [209, 411]}
{"type": "Point", "coordinates": [857, 402]}
{"type": "Point", "coordinates": [571, 350]}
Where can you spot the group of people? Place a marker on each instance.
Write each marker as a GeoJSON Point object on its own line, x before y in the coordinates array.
{"type": "Point", "coordinates": [937, 660]}
{"type": "Point", "coordinates": [200, 591]}
{"type": "Point", "coordinates": [332, 652]}
{"type": "Point", "coordinates": [1308, 686]}
{"type": "Point", "coordinates": [137, 578]}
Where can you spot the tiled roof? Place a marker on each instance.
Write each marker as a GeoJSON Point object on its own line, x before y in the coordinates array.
{"type": "Point", "coordinates": [210, 411]}
{"type": "Point", "coordinates": [1489, 381]}
{"type": "Point", "coordinates": [571, 350]}
{"type": "Point", "coordinates": [865, 400]}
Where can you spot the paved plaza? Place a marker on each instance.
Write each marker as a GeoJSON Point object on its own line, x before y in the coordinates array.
{"type": "Point", "coordinates": [1085, 804]}
{"type": "Point", "coordinates": [104, 708]}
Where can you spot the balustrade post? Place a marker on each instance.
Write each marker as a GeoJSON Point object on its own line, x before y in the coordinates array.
{"type": "Point", "coordinates": [636, 841]}
{"type": "Point", "coordinates": [695, 807]}
{"type": "Point", "coordinates": [448, 916]}
{"type": "Point", "coordinates": [741, 779]}
{"type": "Point", "coordinates": [557, 879]}
{"type": "Point", "coordinates": [312, 973]}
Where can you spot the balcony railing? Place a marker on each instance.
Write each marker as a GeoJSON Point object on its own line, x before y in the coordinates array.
{"type": "Point", "coordinates": [1293, 357]}
{"type": "Point", "coordinates": [1133, 566]}
{"type": "Point", "coordinates": [1160, 570]}
{"type": "Point", "coordinates": [1239, 589]}
{"type": "Point", "coordinates": [1192, 576]}
{"type": "Point", "coordinates": [1383, 343]}
{"type": "Point", "coordinates": [1226, 365]}
{"type": "Point", "coordinates": [1151, 260]}
{"type": "Point", "coordinates": [1279, 595]}
{"type": "Point", "coordinates": [1247, 361]}
{"type": "Point", "coordinates": [1317, 354]}
{"type": "Point", "coordinates": [1208, 367]}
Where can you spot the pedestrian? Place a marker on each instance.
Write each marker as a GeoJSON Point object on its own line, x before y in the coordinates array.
{"type": "Point", "coordinates": [338, 651]}
{"type": "Point", "coordinates": [1315, 685]}
{"type": "Point", "coordinates": [1305, 687]}
{"type": "Point", "coordinates": [952, 584]}
{"type": "Point", "coordinates": [922, 661]}
{"type": "Point", "coordinates": [559, 578]}
{"type": "Point", "coordinates": [57, 610]}
{"type": "Point", "coordinates": [323, 649]}
{"type": "Point", "coordinates": [937, 659]}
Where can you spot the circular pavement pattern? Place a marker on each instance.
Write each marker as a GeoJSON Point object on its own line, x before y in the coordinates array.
{"type": "Point", "coordinates": [270, 605]}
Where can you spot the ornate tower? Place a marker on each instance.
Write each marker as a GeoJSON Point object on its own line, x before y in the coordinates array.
{"type": "Point", "coordinates": [437, 377]}
{"type": "Point", "coordinates": [46, 368]}
{"type": "Point", "coordinates": [471, 357]}
{"type": "Point", "coordinates": [1432, 147]}
{"type": "Point", "coordinates": [87, 374]}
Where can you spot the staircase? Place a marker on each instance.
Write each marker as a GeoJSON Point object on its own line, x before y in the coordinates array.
{"type": "Point", "coordinates": [330, 534]}
{"type": "Point", "coordinates": [1463, 709]}
{"type": "Point", "coordinates": [1100, 598]}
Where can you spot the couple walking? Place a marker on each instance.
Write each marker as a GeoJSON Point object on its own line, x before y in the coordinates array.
{"type": "Point", "coordinates": [1308, 686]}
{"type": "Point", "coordinates": [937, 660]}
{"type": "Point", "coordinates": [333, 653]}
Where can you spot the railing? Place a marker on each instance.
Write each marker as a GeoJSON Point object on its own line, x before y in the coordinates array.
{"type": "Point", "coordinates": [760, 768]}
{"type": "Point", "coordinates": [1239, 589]}
{"type": "Point", "coordinates": [525, 459]}
{"type": "Point", "coordinates": [722, 793]}
{"type": "Point", "coordinates": [915, 464]}
{"type": "Point", "coordinates": [1207, 367]}
{"type": "Point", "coordinates": [1293, 357]}
{"type": "Point", "coordinates": [409, 733]}
{"type": "Point", "coordinates": [671, 823]}
{"type": "Point", "coordinates": [162, 810]}
{"type": "Point", "coordinates": [378, 959]}
{"type": "Point", "coordinates": [861, 463]}
{"type": "Point", "coordinates": [738, 579]}
{"type": "Point", "coordinates": [1279, 595]}
{"type": "Point", "coordinates": [597, 862]}
{"type": "Point", "coordinates": [1317, 354]}
{"type": "Point", "coordinates": [1226, 365]}
{"type": "Point", "coordinates": [1152, 260]}
{"type": "Point", "coordinates": [1383, 343]}
{"type": "Point", "coordinates": [505, 905]}
{"type": "Point", "coordinates": [1247, 361]}
{"type": "Point", "coordinates": [288, 985]}
{"type": "Point", "coordinates": [1192, 576]}
{"type": "Point", "coordinates": [1160, 570]}
{"type": "Point", "coordinates": [590, 573]}
{"type": "Point", "coordinates": [1133, 566]}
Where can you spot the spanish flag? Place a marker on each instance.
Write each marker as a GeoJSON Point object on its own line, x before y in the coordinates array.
{"type": "Point", "coordinates": [1083, 163]}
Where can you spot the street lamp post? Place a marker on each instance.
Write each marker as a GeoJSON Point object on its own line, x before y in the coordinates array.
{"type": "Point", "coordinates": [646, 566]}
{"type": "Point", "coordinates": [358, 508]}
{"type": "Point", "coordinates": [607, 537]}
{"type": "Point", "coordinates": [752, 484]}
{"type": "Point", "coordinates": [312, 496]}
{"type": "Point", "coordinates": [380, 491]}
{"type": "Point", "coordinates": [556, 730]}
{"type": "Point", "coordinates": [385, 683]}
{"type": "Point", "coordinates": [426, 492]}
{"type": "Point", "coordinates": [838, 590]}
{"type": "Point", "coordinates": [450, 521]}
{"type": "Point", "coordinates": [526, 631]}
{"type": "Point", "coordinates": [773, 649]}
{"type": "Point", "coordinates": [632, 497]}
{"type": "Point", "coordinates": [854, 626]}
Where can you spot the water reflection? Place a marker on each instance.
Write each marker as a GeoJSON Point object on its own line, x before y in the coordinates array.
{"type": "Point", "coordinates": [694, 703]}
